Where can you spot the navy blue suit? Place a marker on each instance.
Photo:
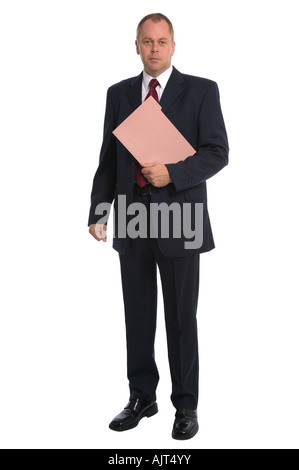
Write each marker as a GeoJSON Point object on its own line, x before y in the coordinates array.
{"type": "Point", "coordinates": [192, 105]}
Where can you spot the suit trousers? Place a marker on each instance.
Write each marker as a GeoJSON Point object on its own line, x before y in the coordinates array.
{"type": "Point", "coordinates": [180, 285]}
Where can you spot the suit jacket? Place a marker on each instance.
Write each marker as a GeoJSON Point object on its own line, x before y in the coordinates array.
{"type": "Point", "coordinates": [192, 104]}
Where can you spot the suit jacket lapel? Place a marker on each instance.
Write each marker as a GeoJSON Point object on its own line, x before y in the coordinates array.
{"type": "Point", "coordinates": [134, 92]}
{"type": "Point", "coordinates": [173, 89]}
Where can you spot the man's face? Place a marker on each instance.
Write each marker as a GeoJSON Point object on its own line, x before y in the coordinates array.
{"type": "Point", "coordinates": [155, 47]}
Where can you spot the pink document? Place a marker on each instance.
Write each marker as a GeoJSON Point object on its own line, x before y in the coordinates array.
{"type": "Point", "coordinates": [150, 137]}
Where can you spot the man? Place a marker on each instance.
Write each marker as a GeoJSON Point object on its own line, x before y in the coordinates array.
{"type": "Point", "coordinates": [192, 105]}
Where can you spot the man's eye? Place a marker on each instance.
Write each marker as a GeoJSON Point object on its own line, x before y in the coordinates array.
{"type": "Point", "coordinates": [163, 43]}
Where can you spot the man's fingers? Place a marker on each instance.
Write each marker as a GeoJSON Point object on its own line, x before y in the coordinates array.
{"type": "Point", "coordinates": [98, 231]}
{"type": "Point", "coordinates": [148, 165]}
{"type": "Point", "coordinates": [101, 232]}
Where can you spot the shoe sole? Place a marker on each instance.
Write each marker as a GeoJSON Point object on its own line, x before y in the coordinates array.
{"type": "Point", "coordinates": [185, 437]}
{"type": "Point", "coordinates": [151, 411]}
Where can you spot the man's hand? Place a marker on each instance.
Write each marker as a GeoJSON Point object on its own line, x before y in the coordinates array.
{"type": "Point", "coordinates": [98, 231]}
{"type": "Point", "coordinates": [156, 174]}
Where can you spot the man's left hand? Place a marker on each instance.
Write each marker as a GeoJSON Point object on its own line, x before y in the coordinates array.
{"type": "Point", "coordinates": [156, 174]}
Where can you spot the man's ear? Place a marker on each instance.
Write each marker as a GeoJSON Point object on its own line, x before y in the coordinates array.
{"type": "Point", "coordinates": [137, 48]}
{"type": "Point", "coordinates": [173, 48]}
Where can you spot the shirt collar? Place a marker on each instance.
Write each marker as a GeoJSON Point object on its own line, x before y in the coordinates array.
{"type": "Point", "coordinates": [162, 79]}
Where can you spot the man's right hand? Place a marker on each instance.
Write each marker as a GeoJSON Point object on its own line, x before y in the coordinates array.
{"type": "Point", "coordinates": [98, 231]}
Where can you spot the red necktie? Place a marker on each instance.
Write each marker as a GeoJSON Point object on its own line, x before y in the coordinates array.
{"type": "Point", "coordinates": [139, 178]}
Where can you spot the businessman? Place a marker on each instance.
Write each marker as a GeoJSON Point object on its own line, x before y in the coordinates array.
{"type": "Point", "coordinates": [192, 104]}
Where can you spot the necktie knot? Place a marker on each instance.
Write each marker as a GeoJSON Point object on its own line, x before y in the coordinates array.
{"type": "Point", "coordinates": [153, 84]}
{"type": "Point", "coordinates": [152, 91]}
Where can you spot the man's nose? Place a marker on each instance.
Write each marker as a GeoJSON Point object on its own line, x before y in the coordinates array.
{"type": "Point", "coordinates": [154, 47]}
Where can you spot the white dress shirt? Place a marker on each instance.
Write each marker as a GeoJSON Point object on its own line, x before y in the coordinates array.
{"type": "Point", "coordinates": [162, 79]}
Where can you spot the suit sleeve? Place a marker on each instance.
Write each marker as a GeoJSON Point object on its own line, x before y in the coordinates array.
{"type": "Point", "coordinates": [212, 153]}
{"type": "Point", "coordinates": [104, 182]}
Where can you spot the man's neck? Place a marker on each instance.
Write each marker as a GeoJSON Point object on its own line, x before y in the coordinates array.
{"type": "Point", "coordinates": [156, 74]}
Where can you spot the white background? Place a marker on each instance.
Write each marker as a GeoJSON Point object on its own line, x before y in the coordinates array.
{"type": "Point", "coordinates": [62, 337]}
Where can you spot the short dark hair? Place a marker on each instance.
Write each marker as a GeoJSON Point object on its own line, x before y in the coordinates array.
{"type": "Point", "coordinates": [156, 18]}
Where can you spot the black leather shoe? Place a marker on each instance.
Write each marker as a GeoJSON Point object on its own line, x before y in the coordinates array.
{"type": "Point", "coordinates": [185, 424]}
{"type": "Point", "coordinates": [132, 414]}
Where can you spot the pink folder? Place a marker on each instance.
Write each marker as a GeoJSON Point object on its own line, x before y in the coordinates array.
{"type": "Point", "coordinates": [150, 137]}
